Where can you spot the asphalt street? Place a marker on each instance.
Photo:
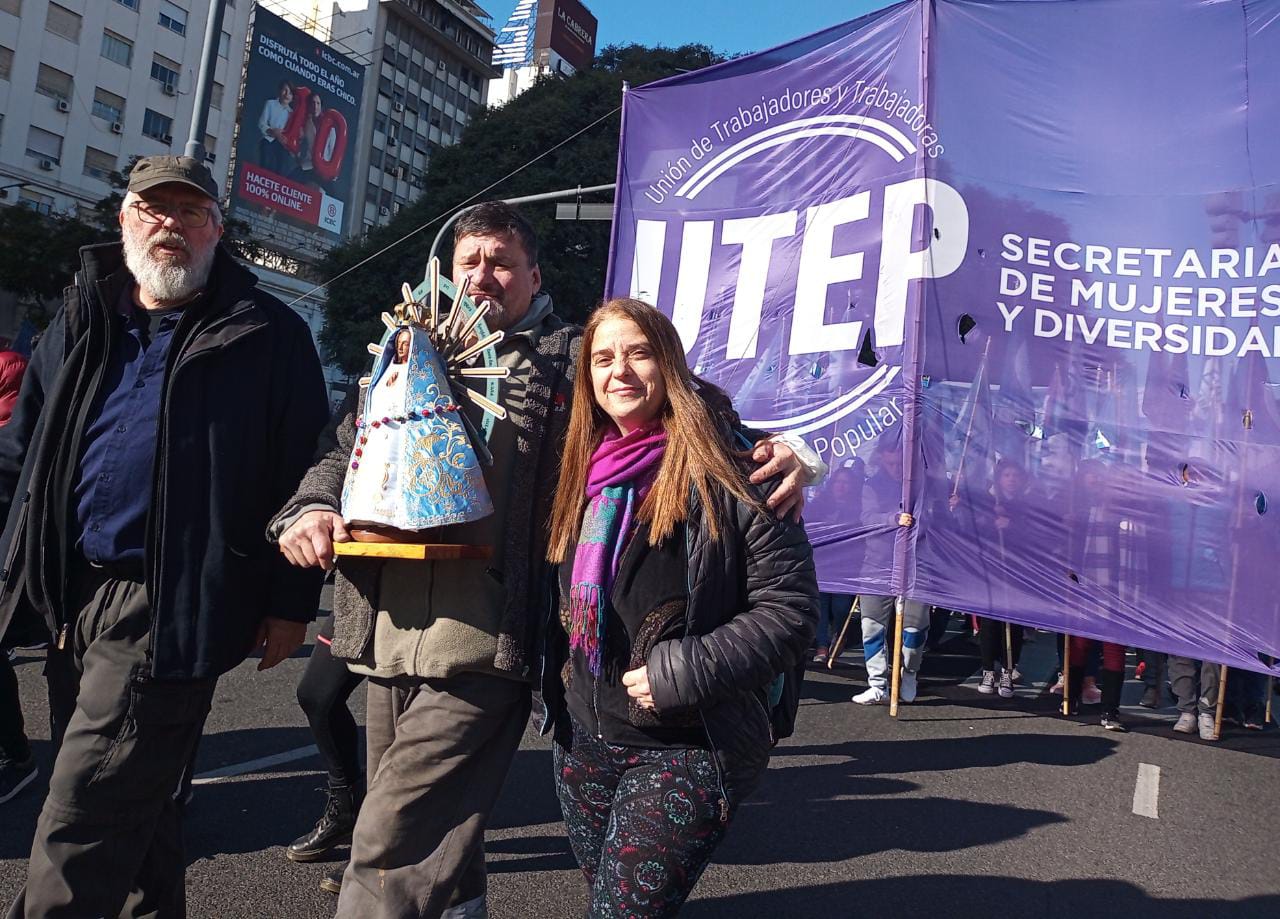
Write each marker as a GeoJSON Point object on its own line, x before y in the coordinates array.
{"type": "Point", "coordinates": [964, 806]}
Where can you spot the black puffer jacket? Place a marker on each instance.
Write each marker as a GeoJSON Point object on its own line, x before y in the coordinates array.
{"type": "Point", "coordinates": [752, 611]}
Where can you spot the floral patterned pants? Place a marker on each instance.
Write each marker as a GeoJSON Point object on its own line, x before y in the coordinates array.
{"type": "Point", "coordinates": [642, 823]}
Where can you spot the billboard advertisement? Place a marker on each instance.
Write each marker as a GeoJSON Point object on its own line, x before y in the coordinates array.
{"type": "Point", "coordinates": [298, 122]}
{"type": "Point", "coordinates": [567, 28]}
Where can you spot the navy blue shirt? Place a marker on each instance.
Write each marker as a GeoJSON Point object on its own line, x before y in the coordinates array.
{"type": "Point", "coordinates": [113, 487]}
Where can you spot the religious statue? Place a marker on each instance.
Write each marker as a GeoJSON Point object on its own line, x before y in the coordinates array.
{"type": "Point", "coordinates": [416, 464]}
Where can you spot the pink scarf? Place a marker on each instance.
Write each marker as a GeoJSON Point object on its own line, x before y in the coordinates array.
{"type": "Point", "coordinates": [623, 468]}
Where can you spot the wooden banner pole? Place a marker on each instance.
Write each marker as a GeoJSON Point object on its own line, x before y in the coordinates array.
{"type": "Point", "coordinates": [896, 682]}
{"type": "Point", "coordinates": [1222, 701]}
{"type": "Point", "coordinates": [838, 647]}
{"type": "Point", "coordinates": [1008, 648]}
{"type": "Point", "coordinates": [1271, 692]}
{"type": "Point", "coordinates": [1066, 674]}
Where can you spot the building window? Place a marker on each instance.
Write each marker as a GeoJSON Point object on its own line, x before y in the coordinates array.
{"type": "Point", "coordinates": [12, 7]}
{"type": "Point", "coordinates": [98, 164]}
{"type": "Point", "coordinates": [108, 106]}
{"type": "Point", "coordinates": [115, 48]}
{"type": "Point", "coordinates": [157, 126]}
{"type": "Point", "coordinates": [164, 71]}
{"type": "Point", "coordinates": [42, 204]}
{"type": "Point", "coordinates": [61, 21]}
{"type": "Point", "coordinates": [224, 44]}
{"type": "Point", "coordinates": [215, 95]}
{"type": "Point", "coordinates": [44, 145]}
{"type": "Point", "coordinates": [6, 62]}
{"type": "Point", "coordinates": [131, 4]}
{"type": "Point", "coordinates": [53, 82]}
{"type": "Point", "coordinates": [173, 18]}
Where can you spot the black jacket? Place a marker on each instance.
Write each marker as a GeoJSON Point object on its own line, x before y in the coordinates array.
{"type": "Point", "coordinates": [751, 613]}
{"type": "Point", "coordinates": [243, 403]}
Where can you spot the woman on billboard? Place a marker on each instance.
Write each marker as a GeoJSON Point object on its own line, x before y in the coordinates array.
{"type": "Point", "coordinates": [272, 121]}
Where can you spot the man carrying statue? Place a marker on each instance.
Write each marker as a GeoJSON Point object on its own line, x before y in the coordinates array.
{"type": "Point", "coordinates": [451, 647]}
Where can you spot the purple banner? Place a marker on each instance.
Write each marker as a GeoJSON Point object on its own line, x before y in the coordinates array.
{"type": "Point", "coordinates": [1015, 274]}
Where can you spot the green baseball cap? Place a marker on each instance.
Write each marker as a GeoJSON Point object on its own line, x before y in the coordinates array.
{"type": "Point", "coordinates": [150, 171]}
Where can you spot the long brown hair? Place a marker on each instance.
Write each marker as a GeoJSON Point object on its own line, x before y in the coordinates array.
{"type": "Point", "coordinates": [698, 453]}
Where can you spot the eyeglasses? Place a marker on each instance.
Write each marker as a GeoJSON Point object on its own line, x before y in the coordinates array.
{"type": "Point", "coordinates": [189, 215]}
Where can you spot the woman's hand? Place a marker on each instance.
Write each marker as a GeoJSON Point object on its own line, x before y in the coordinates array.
{"type": "Point", "coordinates": [637, 683]}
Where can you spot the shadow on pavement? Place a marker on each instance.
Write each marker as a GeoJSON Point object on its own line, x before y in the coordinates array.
{"type": "Point", "coordinates": [943, 896]}
{"type": "Point", "coordinates": [912, 824]}
{"type": "Point", "coordinates": [817, 796]}
{"type": "Point", "coordinates": [542, 853]}
{"type": "Point", "coordinates": [259, 815]}
{"type": "Point", "coordinates": [225, 748]}
{"type": "Point", "coordinates": [18, 816]}
{"type": "Point", "coordinates": [529, 796]}
{"type": "Point", "coordinates": [878, 757]}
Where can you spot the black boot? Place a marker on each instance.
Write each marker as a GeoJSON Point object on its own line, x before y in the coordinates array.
{"type": "Point", "coordinates": [1075, 687]}
{"type": "Point", "coordinates": [332, 829]}
{"type": "Point", "coordinates": [332, 882]}
{"type": "Point", "coordinates": [1112, 686]}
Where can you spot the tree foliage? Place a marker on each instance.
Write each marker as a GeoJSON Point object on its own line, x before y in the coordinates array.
{"type": "Point", "coordinates": [39, 253]}
{"type": "Point", "coordinates": [498, 142]}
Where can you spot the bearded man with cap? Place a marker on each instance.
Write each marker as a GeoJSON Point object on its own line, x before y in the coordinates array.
{"type": "Point", "coordinates": [168, 411]}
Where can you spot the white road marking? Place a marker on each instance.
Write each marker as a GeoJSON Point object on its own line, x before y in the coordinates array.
{"type": "Point", "coordinates": [254, 765]}
{"type": "Point", "coordinates": [1146, 794]}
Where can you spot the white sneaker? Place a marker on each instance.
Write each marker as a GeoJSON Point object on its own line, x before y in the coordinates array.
{"type": "Point", "coordinates": [1186, 723]}
{"type": "Point", "coordinates": [988, 684]}
{"type": "Point", "coordinates": [1206, 727]}
{"type": "Point", "coordinates": [907, 688]}
{"type": "Point", "coordinates": [872, 695]}
{"type": "Point", "coordinates": [1006, 685]}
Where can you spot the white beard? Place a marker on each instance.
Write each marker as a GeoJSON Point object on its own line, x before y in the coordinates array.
{"type": "Point", "coordinates": [161, 280]}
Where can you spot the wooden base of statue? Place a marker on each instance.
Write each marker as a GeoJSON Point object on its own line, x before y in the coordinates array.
{"type": "Point", "coordinates": [418, 545]}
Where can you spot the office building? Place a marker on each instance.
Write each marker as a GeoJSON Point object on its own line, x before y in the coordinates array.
{"type": "Point", "coordinates": [541, 37]}
{"type": "Point", "coordinates": [430, 67]}
{"type": "Point", "coordinates": [87, 84]}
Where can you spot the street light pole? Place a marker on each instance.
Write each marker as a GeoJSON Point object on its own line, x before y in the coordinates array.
{"type": "Point", "coordinates": [204, 83]}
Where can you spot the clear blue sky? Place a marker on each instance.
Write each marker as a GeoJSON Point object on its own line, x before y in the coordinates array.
{"type": "Point", "coordinates": [729, 26]}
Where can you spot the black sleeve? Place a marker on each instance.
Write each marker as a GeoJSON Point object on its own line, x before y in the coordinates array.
{"type": "Point", "coordinates": [769, 635]}
{"type": "Point", "coordinates": [16, 436]}
{"type": "Point", "coordinates": [302, 408]}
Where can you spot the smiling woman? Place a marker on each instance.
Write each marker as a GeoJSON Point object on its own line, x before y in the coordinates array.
{"type": "Point", "coordinates": [682, 601]}
{"type": "Point", "coordinates": [625, 376]}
